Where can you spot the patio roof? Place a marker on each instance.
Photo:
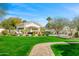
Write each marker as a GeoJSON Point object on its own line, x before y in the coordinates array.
{"type": "Point", "coordinates": [29, 24]}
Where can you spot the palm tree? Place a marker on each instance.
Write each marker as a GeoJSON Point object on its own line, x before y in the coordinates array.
{"type": "Point", "coordinates": [49, 19]}
{"type": "Point", "coordinates": [24, 21]}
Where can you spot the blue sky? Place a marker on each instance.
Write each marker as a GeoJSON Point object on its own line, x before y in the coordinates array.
{"type": "Point", "coordinates": [38, 12]}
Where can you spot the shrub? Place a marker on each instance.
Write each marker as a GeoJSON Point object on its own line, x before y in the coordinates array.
{"type": "Point", "coordinates": [5, 32]}
{"type": "Point", "coordinates": [13, 34]}
{"type": "Point", "coordinates": [47, 33]}
{"type": "Point", "coordinates": [76, 34]}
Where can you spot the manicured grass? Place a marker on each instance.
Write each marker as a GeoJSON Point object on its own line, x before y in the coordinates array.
{"type": "Point", "coordinates": [21, 46]}
{"type": "Point", "coordinates": [66, 49]}
{"type": "Point", "coordinates": [12, 45]}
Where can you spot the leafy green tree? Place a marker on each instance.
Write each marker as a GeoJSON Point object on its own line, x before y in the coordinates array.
{"type": "Point", "coordinates": [14, 21]}
{"type": "Point", "coordinates": [6, 24]}
{"type": "Point", "coordinates": [11, 23]}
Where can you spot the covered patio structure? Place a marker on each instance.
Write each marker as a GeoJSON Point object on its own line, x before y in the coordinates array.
{"type": "Point", "coordinates": [29, 28]}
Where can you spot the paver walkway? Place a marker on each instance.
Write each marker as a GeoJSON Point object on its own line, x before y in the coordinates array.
{"type": "Point", "coordinates": [44, 49]}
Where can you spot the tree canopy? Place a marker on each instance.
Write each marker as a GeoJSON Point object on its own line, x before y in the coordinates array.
{"type": "Point", "coordinates": [11, 23]}
{"type": "Point", "coordinates": [57, 24]}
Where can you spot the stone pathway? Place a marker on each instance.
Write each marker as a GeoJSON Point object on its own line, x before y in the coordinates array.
{"type": "Point", "coordinates": [44, 49]}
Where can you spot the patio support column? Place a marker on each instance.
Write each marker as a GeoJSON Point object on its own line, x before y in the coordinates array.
{"type": "Point", "coordinates": [39, 29]}
{"type": "Point", "coordinates": [24, 28]}
{"type": "Point", "coordinates": [31, 30]}
{"type": "Point", "coordinates": [17, 29]}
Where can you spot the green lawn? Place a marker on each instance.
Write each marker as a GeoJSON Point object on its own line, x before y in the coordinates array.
{"type": "Point", "coordinates": [66, 49]}
{"type": "Point", "coordinates": [21, 46]}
